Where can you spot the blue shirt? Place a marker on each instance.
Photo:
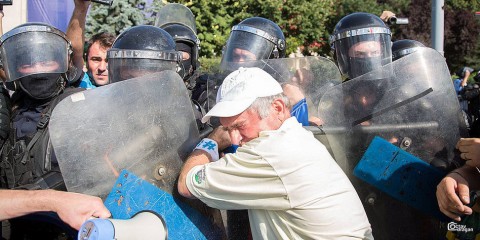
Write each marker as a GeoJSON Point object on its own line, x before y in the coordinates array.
{"type": "Point", "coordinates": [86, 82]}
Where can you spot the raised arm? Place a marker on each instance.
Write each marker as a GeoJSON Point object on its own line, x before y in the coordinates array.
{"type": "Point", "coordinates": [76, 31]}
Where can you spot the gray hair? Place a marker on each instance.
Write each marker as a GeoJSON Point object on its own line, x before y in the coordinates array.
{"type": "Point", "coordinates": [262, 104]}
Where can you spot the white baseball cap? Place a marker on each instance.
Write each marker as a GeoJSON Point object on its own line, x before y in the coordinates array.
{"type": "Point", "coordinates": [240, 89]}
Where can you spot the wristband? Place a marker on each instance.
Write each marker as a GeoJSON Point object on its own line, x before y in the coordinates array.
{"type": "Point", "coordinates": [210, 146]}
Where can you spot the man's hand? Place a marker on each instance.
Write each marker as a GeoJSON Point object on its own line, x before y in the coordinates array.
{"type": "Point", "coordinates": [470, 151]}
{"type": "Point", "coordinates": [386, 15]}
{"type": "Point", "coordinates": [453, 195]}
{"type": "Point", "coordinates": [221, 136]}
{"type": "Point", "coordinates": [75, 208]}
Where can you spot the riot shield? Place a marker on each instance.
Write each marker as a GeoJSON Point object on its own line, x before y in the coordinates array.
{"type": "Point", "coordinates": [311, 77]}
{"type": "Point", "coordinates": [411, 104]}
{"type": "Point", "coordinates": [175, 13]}
{"type": "Point", "coordinates": [144, 125]}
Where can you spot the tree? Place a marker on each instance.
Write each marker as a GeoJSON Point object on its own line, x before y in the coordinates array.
{"type": "Point", "coordinates": [213, 25]}
{"type": "Point", "coordinates": [461, 29]}
{"type": "Point", "coordinates": [116, 18]}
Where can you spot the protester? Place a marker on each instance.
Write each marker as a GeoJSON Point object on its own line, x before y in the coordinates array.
{"type": "Point", "coordinates": [290, 184]}
{"type": "Point", "coordinates": [97, 47]}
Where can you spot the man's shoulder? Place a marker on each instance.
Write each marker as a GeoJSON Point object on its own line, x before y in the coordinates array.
{"type": "Point", "coordinates": [86, 82]}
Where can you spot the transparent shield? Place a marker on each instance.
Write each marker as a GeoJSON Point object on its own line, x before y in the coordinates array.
{"type": "Point", "coordinates": [144, 125]}
{"type": "Point", "coordinates": [413, 106]}
{"type": "Point", "coordinates": [175, 13]}
{"type": "Point", "coordinates": [306, 77]}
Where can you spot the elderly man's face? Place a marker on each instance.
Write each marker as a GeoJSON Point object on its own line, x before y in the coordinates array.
{"type": "Point", "coordinates": [365, 49]}
{"type": "Point", "coordinates": [248, 124]}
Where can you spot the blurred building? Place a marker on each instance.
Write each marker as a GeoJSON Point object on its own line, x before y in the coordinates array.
{"type": "Point", "coordinates": [54, 12]}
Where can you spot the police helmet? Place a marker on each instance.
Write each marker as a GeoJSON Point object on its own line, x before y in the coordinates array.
{"type": "Point", "coordinates": [401, 48]}
{"type": "Point", "coordinates": [140, 50]}
{"type": "Point", "coordinates": [36, 58]}
{"type": "Point", "coordinates": [361, 43]}
{"type": "Point", "coordinates": [254, 38]}
{"type": "Point", "coordinates": [186, 41]}
{"type": "Point", "coordinates": [179, 22]}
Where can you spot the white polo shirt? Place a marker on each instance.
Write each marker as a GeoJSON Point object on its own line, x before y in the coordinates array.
{"type": "Point", "coordinates": [291, 186]}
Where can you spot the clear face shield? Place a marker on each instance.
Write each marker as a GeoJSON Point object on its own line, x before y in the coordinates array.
{"type": "Point", "coordinates": [362, 50]}
{"type": "Point", "coordinates": [248, 44]}
{"type": "Point", "coordinates": [33, 52]}
{"type": "Point", "coordinates": [175, 13]}
{"type": "Point", "coordinates": [127, 64]}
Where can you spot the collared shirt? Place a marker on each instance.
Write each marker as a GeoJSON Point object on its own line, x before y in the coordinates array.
{"type": "Point", "coordinates": [291, 186]}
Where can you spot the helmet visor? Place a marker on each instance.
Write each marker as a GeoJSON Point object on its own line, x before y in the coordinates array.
{"type": "Point", "coordinates": [361, 54]}
{"type": "Point", "coordinates": [175, 13]}
{"type": "Point", "coordinates": [31, 53]}
{"type": "Point", "coordinates": [244, 46]}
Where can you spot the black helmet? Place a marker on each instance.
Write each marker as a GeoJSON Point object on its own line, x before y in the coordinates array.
{"type": "Point", "coordinates": [259, 37]}
{"type": "Point", "coordinates": [141, 50]}
{"type": "Point", "coordinates": [401, 48]}
{"type": "Point", "coordinates": [179, 22]}
{"type": "Point", "coordinates": [355, 32]}
{"type": "Point", "coordinates": [36, 58]}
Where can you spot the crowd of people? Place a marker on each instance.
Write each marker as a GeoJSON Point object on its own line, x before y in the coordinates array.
{"type": "Point", "coordinates": [259, 157]}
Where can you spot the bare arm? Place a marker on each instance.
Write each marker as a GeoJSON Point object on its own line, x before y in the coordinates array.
{"type": "Point", "coordinates": [200, 157]}
{"type": "Point", "coordinates": [465, 78]}
{"type": "Point", "coordinates": [76, 31]}
{"type": "Point", "coordinates": [72, 208]}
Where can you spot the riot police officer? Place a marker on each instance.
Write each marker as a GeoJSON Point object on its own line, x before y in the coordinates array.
{"type": "Point", "coordinates": [252, 39]}
{"type": "Point", "coordinates": [361, 43]}
{"type": "Point", "coordinates": [363, 50]}
{"type": "Point", "coordinates": [145, 49]}
{"type": "Point", "coordinates": [36, 58]}
{"type": "Point", "coordinates": [141, 50]}
{"type": "Point", "coordinates": [179, 22]}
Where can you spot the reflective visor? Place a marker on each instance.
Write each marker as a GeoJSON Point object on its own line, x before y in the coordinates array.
{"type": "Point", "coordinates": [31, 53]}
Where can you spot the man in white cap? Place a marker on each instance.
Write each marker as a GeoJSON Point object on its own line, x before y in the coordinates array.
{"type": "Point", "coordinates": [291, 186]}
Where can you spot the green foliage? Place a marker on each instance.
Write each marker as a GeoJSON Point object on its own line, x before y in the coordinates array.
{"type": "Point", "coordinates": [120, 16]}
{"type": "Point", "coordinates": [151, 11]}
{"type": "Point", "coordinates": [213, 25]}
{"type": "Point", "coordinates": [306, 24]}
{"type": "Point", "coordinates": [210, 65]}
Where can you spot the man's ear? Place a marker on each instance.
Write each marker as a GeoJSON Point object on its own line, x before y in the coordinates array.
{"type": "Point", "coordinates": [279, 106]}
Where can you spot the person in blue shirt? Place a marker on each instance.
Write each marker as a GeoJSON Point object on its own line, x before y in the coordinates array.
{"type": "Point", "coordinates": [460, 82]}
{"type": "Point", "coordinates": [95, 58]}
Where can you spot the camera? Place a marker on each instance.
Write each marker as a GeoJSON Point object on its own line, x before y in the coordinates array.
{"type": "Point", "coordinates": [393, 20]}
{"type": "Point", "coordinates": [105, 2]}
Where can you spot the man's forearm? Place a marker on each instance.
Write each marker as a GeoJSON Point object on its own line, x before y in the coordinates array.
{"type": "Point", "coordinates": [15, 203]}
{"type": "Point", "coordinates": [76, 33]}
{"type": "Point", "coordinates": [198, 157]}
{"type": "Point", "coordinates": [471, 174]}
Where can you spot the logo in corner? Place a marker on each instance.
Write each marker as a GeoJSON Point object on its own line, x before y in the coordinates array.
{"type": "Point", "coordinates": [455, 227]}
{"type": "Point", "coordinates": [200, 176]}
